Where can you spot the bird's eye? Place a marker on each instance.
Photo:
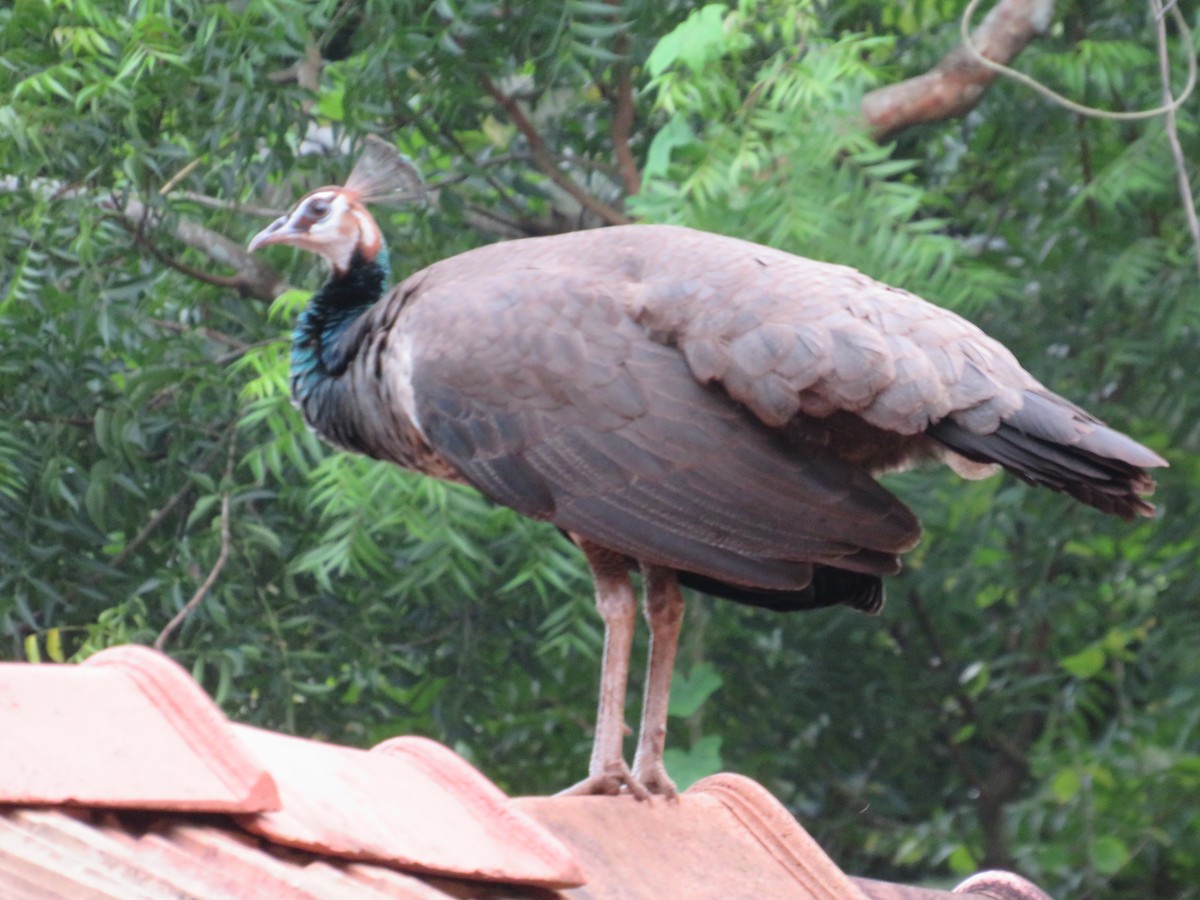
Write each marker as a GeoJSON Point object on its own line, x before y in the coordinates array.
{"type": "Point", "coordinates": [318, 207]}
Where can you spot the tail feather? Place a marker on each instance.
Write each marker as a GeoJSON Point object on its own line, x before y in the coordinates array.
{"type": "Point", "coordinates": [829, 587]}
{"type": "Point", "coordinates": [1050, 442]}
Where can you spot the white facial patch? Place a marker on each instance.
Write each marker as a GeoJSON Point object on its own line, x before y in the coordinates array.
{"type": "Point", "coordinates": [322, 224]}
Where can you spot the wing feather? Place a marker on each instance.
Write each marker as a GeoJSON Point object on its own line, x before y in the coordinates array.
{"type": "Point", "coordinates": [627, 448]}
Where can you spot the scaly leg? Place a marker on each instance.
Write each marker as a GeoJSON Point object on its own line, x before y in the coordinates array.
{"type": "Point", "coordinates": [608, 772]}
{"type": "Point", "coordinates": [664, 614]}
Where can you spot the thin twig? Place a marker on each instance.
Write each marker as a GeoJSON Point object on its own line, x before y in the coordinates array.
{"type": "Point", "coordinates": [1171, 104]}
{"type": "Point", "coordinates": [153, 525]}
{"type": "Point", "coordinates": [263, 212]}
{"type": "Point", "coordinates": [178, 177]}
{"type": "Point", "coordinates": [159, 517]}
{"type": "Point", "coordinates": [213, 573]}
{"type": "Point", "coordinates": [211, 333]}
{"type": "Point", "coordinates": [545, 161]}
{"type": "Point", "coordinates": [1185, 188]}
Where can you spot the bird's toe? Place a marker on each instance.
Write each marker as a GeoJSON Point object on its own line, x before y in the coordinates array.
{"type": "Point", "coordinates": [655, 780]}
{"type": "Point", "coordinates": [610, 780]}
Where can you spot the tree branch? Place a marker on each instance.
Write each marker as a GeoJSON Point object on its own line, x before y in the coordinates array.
{"type": "Point", "coordinates": [254, 278]}
{"type": "Point", "coordinates": [545, 161]}
{"type": "Point", "coordinates": [956, 84]}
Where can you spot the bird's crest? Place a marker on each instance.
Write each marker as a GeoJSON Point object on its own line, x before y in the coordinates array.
{"type": "Point", "coordinates": [383, 175]}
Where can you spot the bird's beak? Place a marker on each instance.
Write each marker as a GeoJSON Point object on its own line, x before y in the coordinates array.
{"type": "Point", "coordinates": [277, 232]}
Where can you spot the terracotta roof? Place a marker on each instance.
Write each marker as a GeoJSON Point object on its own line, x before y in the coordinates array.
{"type": "Point", "coordinates": [121, 779]}
{"type": "Point", "coordinates": [128, 728]}
{"type": "Point", "coordinates": [410, 803]}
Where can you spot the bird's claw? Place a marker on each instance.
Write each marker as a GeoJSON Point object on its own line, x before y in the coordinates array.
{"type": "Point", "coordinates": [654, 778]}
{"type": "Point", "coordinates": [610, 780]}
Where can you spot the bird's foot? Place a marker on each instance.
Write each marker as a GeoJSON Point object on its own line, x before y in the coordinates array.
{"type": "Point", "coordinates": [654, 778]}
{"type": "Point", "coordinates": [609, 780]}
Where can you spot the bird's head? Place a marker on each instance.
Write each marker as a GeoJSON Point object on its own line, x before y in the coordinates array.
{"type": "Point", "coordinates": [333, 221]}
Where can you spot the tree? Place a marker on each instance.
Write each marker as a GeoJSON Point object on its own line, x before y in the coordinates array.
{"type": "Point", "coordinates": [1028, 698]}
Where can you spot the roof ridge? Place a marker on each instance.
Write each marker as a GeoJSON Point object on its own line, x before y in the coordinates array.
{"type": "Point", "coordinates": [441, 764]}
{"type": "Point", "coordinates": [784, 838]}
{"type": "Point", "coordinates": [186, 707]}
{"type": "Point", "coordinates": [409, 807]}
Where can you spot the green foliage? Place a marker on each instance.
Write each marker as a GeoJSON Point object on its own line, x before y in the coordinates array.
{"type": "Point", "coordinates": [1028, 699]}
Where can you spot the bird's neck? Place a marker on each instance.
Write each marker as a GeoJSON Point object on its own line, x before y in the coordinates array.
{"type": "Point", "coordinates": [320, 348]}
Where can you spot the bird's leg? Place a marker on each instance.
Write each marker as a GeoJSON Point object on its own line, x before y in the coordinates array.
{"type": "Point", "coordinates": [608, 772]}
{"type": "Point", "coordinates": [664, 614]}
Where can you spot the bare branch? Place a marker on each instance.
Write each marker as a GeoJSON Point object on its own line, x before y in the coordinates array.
{"type": "Point", "coordinates": [209, 581]}
{"type": "Point", "coordinates": [305, 72]}
{"type": "Point", "coordinates": [1007, 749]}
{"type": "Point", "coordinates": [254, 278]}
{"type": "Point", "coordinates": [227, 281]}
{"type": "Point", "coordinates": [545, 161]}
{"type": "Point", "coordinates": [956, 84]}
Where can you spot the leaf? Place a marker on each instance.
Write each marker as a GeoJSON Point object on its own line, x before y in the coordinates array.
{"type": "Point", "coordinates": [688, 692]}
{"type": "Point", "coordinates": [686, 767]}
{"type": "Point", "coordinates": [331, 105]}
{"type": "Point", "coordinates": [1086, 663]}
{"type": "Point", "coordinates": [693, 42]}
{"type": "Point", "coordinates": [676, 133]}
{"type": "Point", "coordinates": [1066, 785]}
{"type": "Point", "coordinates": [54, 648]}
{"type": "Point", "coordinates": [287, 305]}
{"type": "Point", "coordinates": [1109, 854]}
{"type": "Point", "coordinates": [961, 861]}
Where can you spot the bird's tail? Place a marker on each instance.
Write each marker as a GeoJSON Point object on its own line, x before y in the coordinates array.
{"type": "Point", "coordinates": [830, 586]}
{"type": "Point", "coordinates": [1051, 442]}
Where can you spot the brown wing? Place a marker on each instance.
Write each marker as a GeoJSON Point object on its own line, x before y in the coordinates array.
{"type": "Point", "coordinates": [786, 335]}
{"type": "Point", "coordinates": [550, 399]}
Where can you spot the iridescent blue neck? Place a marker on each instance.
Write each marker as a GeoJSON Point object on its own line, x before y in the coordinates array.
{"type": "Point", "coordinates": [319, 352]}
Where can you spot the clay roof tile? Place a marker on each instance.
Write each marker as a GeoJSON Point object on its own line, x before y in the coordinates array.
{"type": "Point", "coordinates": [128, 728]}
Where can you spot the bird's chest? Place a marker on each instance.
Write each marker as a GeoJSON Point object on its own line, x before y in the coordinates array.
{"type": "Point", "coordinates": [356, 393]}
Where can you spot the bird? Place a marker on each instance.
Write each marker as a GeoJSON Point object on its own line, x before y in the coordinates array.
{"type": "Point", "coordinates": [708, 412]}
